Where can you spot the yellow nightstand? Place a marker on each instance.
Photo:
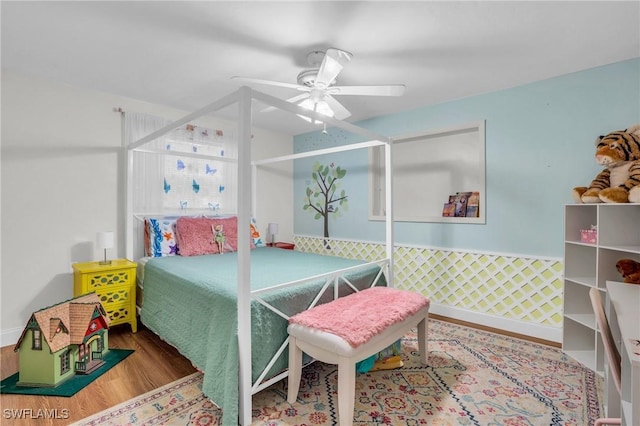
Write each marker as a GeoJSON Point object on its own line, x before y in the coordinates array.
{"type": "Point", "coordinates": [115, 285]}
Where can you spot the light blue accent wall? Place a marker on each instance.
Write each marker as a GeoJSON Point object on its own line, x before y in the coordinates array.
{"type": "Point", "coordinates": [539, 145]}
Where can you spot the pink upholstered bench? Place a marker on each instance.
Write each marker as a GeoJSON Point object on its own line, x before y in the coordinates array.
{"type": "Point", "coordinates": [350, 329]}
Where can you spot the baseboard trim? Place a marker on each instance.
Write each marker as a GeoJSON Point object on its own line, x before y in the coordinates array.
{"type": "Point", "coordinates": [539, 333]}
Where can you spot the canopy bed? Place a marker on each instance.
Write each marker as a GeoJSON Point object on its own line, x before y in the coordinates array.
{"type": "Point", "coordinates": [227, 312]}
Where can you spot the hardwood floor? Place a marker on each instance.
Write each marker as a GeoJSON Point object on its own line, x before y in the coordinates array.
{"type": "Point", "coordinates": [153, 364]}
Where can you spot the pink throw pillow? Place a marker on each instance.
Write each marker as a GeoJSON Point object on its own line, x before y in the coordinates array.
{"type": "Point", "coordinates": [196, 235]}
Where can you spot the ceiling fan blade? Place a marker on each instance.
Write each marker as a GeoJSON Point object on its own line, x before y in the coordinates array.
{"type": "Point", "coordinates": [388, 90]}
{"type": "Point", "coordinates": [333, 62]}
{"type": "Point", "coordinates": [339, 111]}
{"type": "Point", "coordinates": [293, 100]}
{"type": "Point", "coordinates": [271, 83]}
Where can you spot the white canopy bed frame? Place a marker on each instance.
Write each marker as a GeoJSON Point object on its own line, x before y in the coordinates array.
{"type": "Point", "coordinates": [247, 171]}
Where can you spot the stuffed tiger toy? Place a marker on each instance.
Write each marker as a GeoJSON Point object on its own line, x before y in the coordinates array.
{"type": "Point", "coordinates": [619, 182]}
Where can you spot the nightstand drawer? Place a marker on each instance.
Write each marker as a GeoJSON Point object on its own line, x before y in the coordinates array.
{"type": "Point", "coordinates": [91, 276]}
{"type": "Point", "coordinates": [114, 295]}
{"type": "Point", "coordinates": [119, 313]}
{"type": "Point", "coordinates": [97, 280]}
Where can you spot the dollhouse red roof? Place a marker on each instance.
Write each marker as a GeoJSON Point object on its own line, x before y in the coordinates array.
{"type": "Point", "coordinates": [66, 323]}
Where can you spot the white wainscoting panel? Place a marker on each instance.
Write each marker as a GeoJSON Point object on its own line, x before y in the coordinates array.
{"type": "Point", "coordinates": [517, 293]}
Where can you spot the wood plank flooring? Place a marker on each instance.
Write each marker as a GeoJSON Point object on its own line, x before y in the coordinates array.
{"type": "Point", "coordinates": [153, 364]}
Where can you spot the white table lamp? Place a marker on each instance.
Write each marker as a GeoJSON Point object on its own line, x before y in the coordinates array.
{"type": "Point", "coordinates": [273, 230]}
{"type": "Point", "coordinates": [104, 241]}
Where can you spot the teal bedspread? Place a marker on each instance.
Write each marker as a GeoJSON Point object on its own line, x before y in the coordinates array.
{"type": "Point", "coordinates": [191, 303]}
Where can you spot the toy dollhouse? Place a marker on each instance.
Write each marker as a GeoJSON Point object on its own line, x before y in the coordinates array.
{"type": "Point", "coordinates": [63, 340]}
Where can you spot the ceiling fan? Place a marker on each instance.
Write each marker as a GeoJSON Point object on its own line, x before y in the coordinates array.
{"type": "Point", "coordinates": [318, 84]}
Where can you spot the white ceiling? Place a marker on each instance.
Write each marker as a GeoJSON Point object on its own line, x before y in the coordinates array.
{"type": "Point", "coordinates": [182, 54]}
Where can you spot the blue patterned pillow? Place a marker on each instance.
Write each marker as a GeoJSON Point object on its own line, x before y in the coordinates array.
{"type": "Point", "coordinates": [162, 236]}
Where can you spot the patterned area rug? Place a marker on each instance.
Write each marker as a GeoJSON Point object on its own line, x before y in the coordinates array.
{"type": "Point", "coordinates": [473, 378]}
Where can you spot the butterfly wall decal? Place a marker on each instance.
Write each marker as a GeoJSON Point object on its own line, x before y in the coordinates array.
{"type": "Point", "coordinates": [196, 186]}
{"type": "Point", "coordinates": [167, 187]}
{"type": "Point", "coordinates": [180, 165]}
{"type": "Point", "coordinates": [208, 170]}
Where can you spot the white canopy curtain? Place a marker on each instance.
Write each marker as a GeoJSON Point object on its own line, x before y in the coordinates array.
{"type": "Point", "coordinates": [148, 168]}
{"type": "Point", "coordinates": [189, 169]}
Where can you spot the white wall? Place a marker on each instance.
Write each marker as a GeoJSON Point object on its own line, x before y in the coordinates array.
{"type": "Point", "coordinates": [61, 181]}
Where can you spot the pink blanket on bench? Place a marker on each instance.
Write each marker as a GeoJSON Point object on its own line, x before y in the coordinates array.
{"type": "Point", "coordinates": [360, 316]}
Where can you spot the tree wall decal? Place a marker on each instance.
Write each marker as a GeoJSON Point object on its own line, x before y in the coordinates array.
{"type": "Point", "coordinates": [322, 197]}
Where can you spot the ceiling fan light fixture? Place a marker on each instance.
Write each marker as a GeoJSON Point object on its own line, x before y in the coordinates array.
{"type": "Point", "coordinates": [319, 86]}
{"type": "Point", "coordinates": [320, 107]}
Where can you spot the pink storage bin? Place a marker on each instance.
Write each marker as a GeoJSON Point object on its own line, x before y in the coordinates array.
{"type": "Point", "coordinates": [589, 236]}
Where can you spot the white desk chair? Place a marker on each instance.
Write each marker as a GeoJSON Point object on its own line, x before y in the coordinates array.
{"type": "Point", "coordinates": [613, 356]}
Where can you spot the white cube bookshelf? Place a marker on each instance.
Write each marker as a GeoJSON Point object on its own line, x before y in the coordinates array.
{"type": "Point", "coordinates": [589, 265]}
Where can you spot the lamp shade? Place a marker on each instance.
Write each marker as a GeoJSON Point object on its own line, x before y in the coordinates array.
{"type": "Point", "coordinates": [104, 240]}
{"type": "Point", "coordinates": [273, 228]}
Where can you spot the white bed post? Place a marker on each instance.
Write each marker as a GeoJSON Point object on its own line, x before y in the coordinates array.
{"type": "Point", "coordinates": [129, 239]}
{"type": "Point", "coordinates": [254, 189]}
{"type": "Point", "coordinates": [389, 209]}
{"type": "Point", "coordinates": [244, 257]}
{"type": "Point", "coordinates": [127, 157]}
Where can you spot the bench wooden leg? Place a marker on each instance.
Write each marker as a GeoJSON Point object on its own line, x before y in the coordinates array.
{"type": "Point", "coordinates": [295, 370]}
{"type": "Point", "coordinates": [423, 338]}
{"type": "Point", "coordinates": [346, 390]}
